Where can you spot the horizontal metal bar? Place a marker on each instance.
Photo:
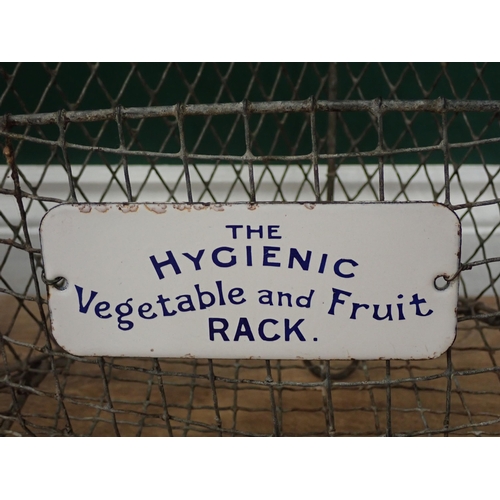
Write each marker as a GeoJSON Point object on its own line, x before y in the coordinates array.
{"type": "Point", "coordinates": [479, 316]}
{"type": "Point", "coordinates": [473, 204]}
{"type": "Point", "coordinates": [468, 265]}
{"type": "Point", "coordinates": [376, 106]}
{"type": "Point", "coordinates": [12, 243]}
{"type": "Point", "coordinates": [377, 152]}
{"type": "Point", "coordinates": [23, 297]}
{"type": "Point", "coordinates": [24, 194]}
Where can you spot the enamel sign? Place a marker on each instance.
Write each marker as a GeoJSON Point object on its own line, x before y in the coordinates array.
{"type": "Point", "coordinates": [270, 281]}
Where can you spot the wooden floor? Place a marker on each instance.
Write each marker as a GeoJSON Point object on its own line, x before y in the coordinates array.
{"type": "Point", "coordinates": [126, 397]}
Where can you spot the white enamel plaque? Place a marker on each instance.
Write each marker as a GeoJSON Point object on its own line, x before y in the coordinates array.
{"type": "Point", "coordinates": [286, 281]}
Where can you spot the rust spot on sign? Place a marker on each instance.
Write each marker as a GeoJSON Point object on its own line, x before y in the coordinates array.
{"type": "Point", "coordinates": [103, 208]}
{"type": "Point", "coordinates": [253, 206]}
{"type": "Point", "coordinates": [126, 208]}
{"type": "Point", "coordinates": [159, 208]}
{"type": "Point", "coordinates": [85, 209]}
{"type": "Point", "coordinates": [218, 207]}
{"type": "Point", "coordinates": [310, 206]}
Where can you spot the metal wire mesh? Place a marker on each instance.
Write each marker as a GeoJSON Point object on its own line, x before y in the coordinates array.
{"type": "Point", "coordinates": [332, 146]}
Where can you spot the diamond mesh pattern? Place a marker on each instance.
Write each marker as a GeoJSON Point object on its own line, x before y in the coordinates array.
{"type": "Point", "coordinates": [247, 132]}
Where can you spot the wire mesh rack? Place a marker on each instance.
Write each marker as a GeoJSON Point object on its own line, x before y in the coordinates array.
{"type": "Point", "coordinates": [328, 147]}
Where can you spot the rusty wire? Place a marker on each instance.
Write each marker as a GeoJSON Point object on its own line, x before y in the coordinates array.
{"type": "Point", "coordinates": [46, 391]}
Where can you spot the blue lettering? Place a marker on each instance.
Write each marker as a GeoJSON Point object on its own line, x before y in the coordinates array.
{"type": "Point", "coordinates": [355, 307]}
{"type": "Point", "coordinates": [287, 296]}
{"type": "Point", "coordinates": [124, 325]}
{"type": "Point", "coordinates": [293, 329]}
{"type": "Point", "coordinates": [322, 265]}
{"type": "Point", "coordinates": [84, 308]}
{"type": "Point", "coordinates": [100, 307]}
{"type": "Point", "coordinates": [243, 330]}
{"type": "Point", "coordinates": [262, 334]}
{"type": "Point", "coordinates": [338, 272]}
{"type": "Point", "coordinates": [211, 300]}
{"type": "Point", "coordinates": [221, 329]}
{"type": "Point", "coordinates": [305, 300]}
{"type": "Point", "coordinates": [337, 300]}
{"type": "Point", "coordinates": [234, 293]}
{"type": "Point", "coordinates": [233, 230]}
{"type": "Point", "coordinates": [271, 230]}
{"type": "Point", "coordinates": [162, 301]}
{"type": "Point", "coordinates": [266, 298]}
{"type": "Point", "coordinates": [416, 302]}
{"type": "Point", "coordinates": [217, 262]}
{"type": "Point", "coordinates": [269, 254]}
{"type": "Point", "coordinates": [169, 262]}
{"type": "Point", "coordinates": [376, 315]}
{"type": "Point", "coordinates": [145, 308]}
{"type": "Point", "coordinates": [185, 305]}
{"type": "Point", "coordinates": [249, 256]}
{"type": "Point", "coordinates": [303, 263]}
{"type": "Point", "coordinates": [259, 231]}
{"type": "Point", "coordinates": [195, 260]}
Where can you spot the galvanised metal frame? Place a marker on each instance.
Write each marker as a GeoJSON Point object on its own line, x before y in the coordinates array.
{"type": "Point", "coordinates": [22, 377]}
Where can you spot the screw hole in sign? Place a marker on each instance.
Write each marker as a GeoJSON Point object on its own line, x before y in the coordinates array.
{"type": "Point", "coordinates": [442, 282]}
{"type": "Point", "coordinates": [59, 283]}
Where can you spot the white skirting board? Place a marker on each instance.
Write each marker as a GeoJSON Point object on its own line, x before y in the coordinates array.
{"type": "Point", "coordinates": [276, 183]}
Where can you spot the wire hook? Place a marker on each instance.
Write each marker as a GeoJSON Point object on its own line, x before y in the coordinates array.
{"type": "Point", "coordinates": [60, 283]}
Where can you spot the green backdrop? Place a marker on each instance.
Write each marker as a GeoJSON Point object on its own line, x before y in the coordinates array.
{"type": "Point", "coordinates": [37, 87]}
